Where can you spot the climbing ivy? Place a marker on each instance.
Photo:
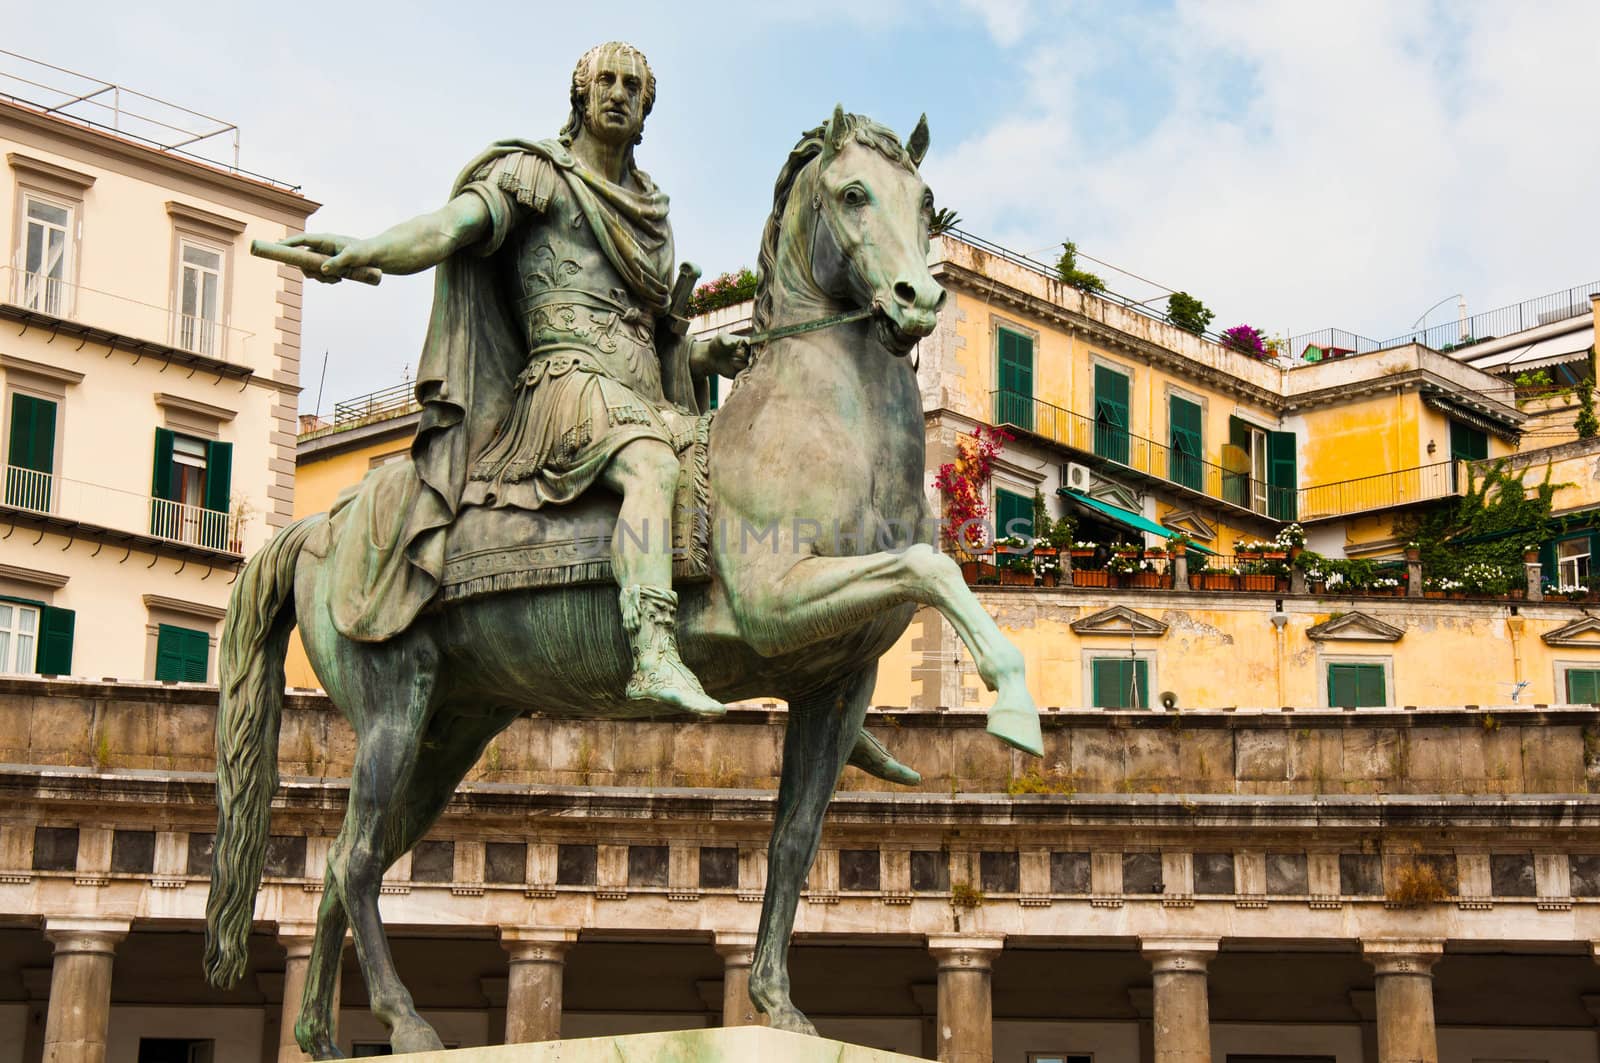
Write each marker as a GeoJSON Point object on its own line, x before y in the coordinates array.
{"type": "Point", "coordinates": [1495, 517]}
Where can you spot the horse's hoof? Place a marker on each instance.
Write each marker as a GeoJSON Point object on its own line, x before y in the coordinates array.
{"type": "Point", "coordinates": [872, 757]}
{"type": "Point", "coordinates": [1017, 727]}
{"type": "Point", "coordinates": [791, 1020]}
{"type": "Point", "coordinates": [318, 1044]}
{"type": "Point", "coordinates": [415, 1036]}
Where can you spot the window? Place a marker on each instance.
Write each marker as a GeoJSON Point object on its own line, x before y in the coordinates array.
{"type": "Point", "coordinates": [1014, 401]}
{"type": "Point", "coordinates": [175, 1050]}
{"type": "Point", "coordinates": [190, 490]}
{"type": "Point", "coordinates": [1183, 464]}
{"type": "Point", "coordinates": [31, 453]}
{"type": "Point", "coordinates": [1111, 414]}
{"type": "Point", "coordinates": [1356, 685]}
{"type": "Point", "coordinates": [1468, 443]}
{"type": "Point", "coordinates": [1119, 682]}
{"type": "Point", "coordinates": [1572, 562]}
{"type": "Point", "coordinates": [1060, 1057]}
{"type": "Point", "coordinates": [183, 655]}
{"type": "Point", "coordinates": [1013, 514]}
{"type": "Point", "coordinates": [35, 638]}
{"type": "Point", "coordinates": [1583, 686]}
{"type": "Point", "coordinates": [46, 247]}
{"type": "Point", "coordinates": [1261, 470]}
{"type": "Point", "coordinates": [200, 299]}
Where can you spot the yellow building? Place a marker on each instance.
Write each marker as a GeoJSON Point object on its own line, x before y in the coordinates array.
{"type": "Point", "coordinates": [150, 369]}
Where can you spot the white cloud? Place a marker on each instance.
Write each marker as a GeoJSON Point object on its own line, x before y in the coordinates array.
{"type": "Point", "coordinates": [1314, 166]}
{"type": "Point", "coordinates": [1006, 20]}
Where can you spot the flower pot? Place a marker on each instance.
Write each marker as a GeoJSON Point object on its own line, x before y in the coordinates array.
{"type": "Point", "coordinates": [1273, 555]}
{"type": "Point", "coordinates": [1091, 577]}
{"type": "Point", "coordinates": [1255, 581]}
{"type": "Point", "coordinates": [1433, 594]}
{"type": "Point", "coordinates": [1082, 553]}
{"type": "Point", "coordinates": [1214, 581]}
{"type": "Point", "coordinates": [1517, 592]}
{"type": "Point", "coordinates": [977, 571]}
{"type": "Point", "coordinates": [1147, 580]}
{"type": "Point", "coordinates": [1016, 577]}
{"type": "Point", "coordinates": [1044, 551]}
{"type": "Point", "coordinates": [1413, 555]}
{"type": "Point", "coordinates": [1050, 579]}
{"type": "Point", "coordinates": [1530, 557]}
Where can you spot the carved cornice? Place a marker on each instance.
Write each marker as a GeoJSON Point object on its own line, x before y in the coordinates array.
{"type": "Point", "coordinates": [1583, 633]}
{"type": "Point", "coordinates": [49, 172]}
{"type": "Point", "coordinates": [178, 605]}
{"type": "Point", "coordinates": [23, 366]}
{"type": "Point", "coordinates": [218, 225]}
{"type": "Point", "coordinates": [1119, 620]}
{"type": "Point", "coordinates": [37, 577]}
{"type": "Point", "coordinates": [219, 414]}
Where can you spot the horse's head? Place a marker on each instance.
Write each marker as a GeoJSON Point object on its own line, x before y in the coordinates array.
{"type": "Point", "coordinates": [861, 210]}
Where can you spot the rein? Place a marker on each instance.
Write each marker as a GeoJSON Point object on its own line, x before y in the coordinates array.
{"type": "Point", "coordinates": [810, 326]}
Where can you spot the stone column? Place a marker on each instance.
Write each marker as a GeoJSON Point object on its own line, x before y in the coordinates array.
{"type": "Point", "coordinates": [80, 988]}
{"type": "Point", "coordinates": [1181, 1013]}
{"type": "Point", "coordinates": [738, 951]}
{"type": "Point", "coordinates": [1180, 572]}
{"type": "Point", "coordinates": [533, 988]}
{"type": "Point", "coordinates": [1404, 987]}
{"type": "Point", "coordinates": [965, 1023]}
{"type": "Point", "coordinates": [1414, 587]}
{"type": "Point", "coordinates": [296, 939]}
{"type": "Point", "coordinates": [1533, 573]}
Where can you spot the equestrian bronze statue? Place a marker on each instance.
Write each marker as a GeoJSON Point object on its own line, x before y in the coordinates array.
{"type": "Point", "coordinates": [577, 535]}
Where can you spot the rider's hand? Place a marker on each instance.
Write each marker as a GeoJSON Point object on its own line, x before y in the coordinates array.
{"type": "Point", "coordinates": [726, 354]}
{"type": "Point", "coordinates": [345, 253]}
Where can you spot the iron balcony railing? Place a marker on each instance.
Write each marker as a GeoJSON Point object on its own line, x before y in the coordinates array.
{"type": "Point", "coordinates": [1423, 483]}
{"type": "Point", "coordinates": [53, 296]}
{"type": "Point", "coordinates": [1115, 444]}
{"type": "Point", "coordinates": [47, 494]}
{"type": "Point", "coordinates": [391, 400]}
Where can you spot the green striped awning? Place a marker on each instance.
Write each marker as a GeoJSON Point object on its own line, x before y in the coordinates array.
{"type": "Point", "coordinates": [1126, 517]}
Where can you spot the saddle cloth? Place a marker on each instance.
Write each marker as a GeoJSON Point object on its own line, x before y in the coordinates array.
{"type": "Point", "coordinates": [488, 551]}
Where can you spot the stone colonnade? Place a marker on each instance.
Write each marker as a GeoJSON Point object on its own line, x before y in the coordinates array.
{"type": "Point", "coordinates": [1402, 1011]}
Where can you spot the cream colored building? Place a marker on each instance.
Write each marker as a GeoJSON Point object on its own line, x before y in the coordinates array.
{"type": "Point", "coordinates": [150, 368]}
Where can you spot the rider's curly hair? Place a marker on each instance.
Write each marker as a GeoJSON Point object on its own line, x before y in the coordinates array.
{"type": "Point", "coordinates": [583, 82]}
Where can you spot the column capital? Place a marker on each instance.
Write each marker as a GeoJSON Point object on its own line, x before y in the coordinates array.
{"type": "Point", "coordinates": [735, 947]}
{"type": "Point", "coordinates": [965, 951]}
{"type": "Point", "coordinates": [537, 944]}
{"type": "Point", "coordinates": [296, 939]}
{"type": "Point", "coordinates": [1186, 954]}
{"type": "Point", "coordinates": [86, 935]}
{"type": "Point", "coordinates": [1402, 955]}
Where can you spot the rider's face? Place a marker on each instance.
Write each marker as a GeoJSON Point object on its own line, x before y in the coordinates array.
{"type": "Point", "coordinates": [614, 111]}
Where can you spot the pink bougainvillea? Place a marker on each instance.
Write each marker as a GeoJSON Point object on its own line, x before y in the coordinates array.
{"type": "Point", "coordinates": [962, 482]}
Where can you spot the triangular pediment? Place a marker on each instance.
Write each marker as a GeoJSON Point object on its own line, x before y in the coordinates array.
{"type": "Point", "coordinates": [1354, 627]}
{"type": "Point", "coordinates": [1583, 632]}
{"type": "Point", "coordinates": [1115, 494]}
{"type": "Point", "coordinates": [1120, 620]}
{"type": "Point", "coordinates": [1191, 524]}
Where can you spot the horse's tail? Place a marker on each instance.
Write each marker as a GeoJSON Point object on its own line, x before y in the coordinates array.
{"type": "Point", "coordinates": [255, 638]}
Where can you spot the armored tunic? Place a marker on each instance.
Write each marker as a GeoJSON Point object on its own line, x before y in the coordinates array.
{"type": "Point", "coordinates": [590, 262]}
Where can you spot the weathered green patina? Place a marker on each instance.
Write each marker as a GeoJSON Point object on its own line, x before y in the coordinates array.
{"type": "Point", "coordinates": [818, 450]}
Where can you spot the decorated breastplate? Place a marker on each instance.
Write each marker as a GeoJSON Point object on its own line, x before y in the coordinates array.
{"type": "Point", "coordinates": [571, 295]}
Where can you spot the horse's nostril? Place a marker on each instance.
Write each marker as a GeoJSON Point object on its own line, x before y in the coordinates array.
{"type": "Point", "coordinates": [943, 295]}
{"type": "Point", "coordinates": [905, 294]}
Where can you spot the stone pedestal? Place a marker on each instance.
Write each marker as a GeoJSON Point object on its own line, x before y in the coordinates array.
{"type": "Point", "coordinates": [965, 1024]}
{"type": "Point", "coordinates": [533, 986]}
{"type": "Point", "coordinates": [1404, 992]}
{"type": "Point", "coordinates": [80, 988]}
{"type": "Point", "coordinates": [738, 951]}
{"type": "Point", "coordinates": [1181, 1014]}
{"type": "Point", "coordinates": [745, 1044]}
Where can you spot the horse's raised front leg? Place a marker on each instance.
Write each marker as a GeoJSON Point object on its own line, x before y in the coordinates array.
{"type": "Point", "coordinates": [314, 1029]}
{"type": "Point", "coordinates": [822, 731]}
{"type": "Point", "coordinates": [822, 597]}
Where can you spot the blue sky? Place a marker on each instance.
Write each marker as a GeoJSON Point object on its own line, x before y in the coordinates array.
{"type": "Point", "coordinates": [1294, 165]}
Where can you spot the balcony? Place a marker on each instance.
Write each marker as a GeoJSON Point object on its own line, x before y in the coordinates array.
{"type": "Point", "coordinates": [1119, 450]}
{"type": "Point", "coordinates": [76, 508]}
{"type": "Point", "coordinates": [1365, 494]}
{"type": "Point", "coordinates": [141, 328]}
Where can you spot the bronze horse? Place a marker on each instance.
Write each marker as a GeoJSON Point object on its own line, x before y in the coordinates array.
{"type": "Point", "coordinates": [821, 438]}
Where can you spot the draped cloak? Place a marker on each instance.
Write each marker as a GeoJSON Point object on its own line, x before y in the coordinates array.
{"type": "Point", "coordinates": [386, 539]}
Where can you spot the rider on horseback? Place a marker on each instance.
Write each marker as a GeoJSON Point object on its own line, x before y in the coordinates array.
{"type": "Point", "coordinates": [587, 236]}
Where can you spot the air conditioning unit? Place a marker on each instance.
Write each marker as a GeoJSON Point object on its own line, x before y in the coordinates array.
{"type": "Point", "coordinates": [1077, 477]}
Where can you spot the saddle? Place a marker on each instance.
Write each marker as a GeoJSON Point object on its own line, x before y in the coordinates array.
{"type": "Point", "coordinates": [491, 550]}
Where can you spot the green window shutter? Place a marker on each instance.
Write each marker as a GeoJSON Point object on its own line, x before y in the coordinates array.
{"type": "Point", "coordinates": [182, 655]}
{"type": "Point", "coordinates": [1015, 376]}
{"type": "Point", "coordinates": [1282, 479]}
{"type": "Point", "coordinates": [161, 485]}
{"type": "Point", "coordinates": [1142, 672]}
{"type": "Point", "coordinates": [33, 433]}
{"type": "Point", "coordinates": [1356, 686]}
{"type": "Point", "coordinates": [55, 640]}
{"type": "Point", "coordinates": [1369, 686]}
{"type": "Point", "coordinates": [1012, 510]}
{"type": "Point", "coordinates": [1113, 678]}
{"type": "Point", "coordinates": [1236, 477]}
{"type": "Point", "coordinates": [1583, 686]}
{"type": "Point", "coordinates": [219, 475]}
{"type": "Point", "coordinates": [1111, 414]}
{"type": "Point", "coordinates": [1341, 686]}
{"type": "Point", "coordinates": [1184, 457]}
{"type": "Point", "coordinates": [1468, 443]}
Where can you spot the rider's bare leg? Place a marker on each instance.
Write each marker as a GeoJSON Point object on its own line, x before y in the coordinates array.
{"type": "Point", "coordinates": [645, 474]}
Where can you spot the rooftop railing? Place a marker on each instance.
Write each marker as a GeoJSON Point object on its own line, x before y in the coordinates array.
{"type": "Point", "coordinates": [1117, 446]}
{"type": "Point", "coordinates": [391, 401]}
{"type": "Point", "coordinates": [46, 494]}
{"type": "Point", "coordinates": [54, 297]}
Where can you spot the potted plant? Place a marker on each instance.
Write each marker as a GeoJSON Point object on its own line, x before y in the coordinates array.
{"type": "Point", "coordinates": [1178, 543]}
{"type": "Point", "coordinates": [1060, 537]}
{"type": "Point", "coordinates": [1247, 340]}
{"type": "Point", "coordinates": [1413, 551]}
{"type": "Point", "coordinates": [1047, 567]}
{"type": "Point", "coordinates": [1530, 554]}
{"type": "Point", "coordinates": [1043, 527]}
{"type": "Point", "coordinates": [1291, 539]}
{"type": "Point", "coordinates": [1085, 573]}
{"type": "Point", "coordinates": [1084, 550]}
{"type": "Point", "coordinates": [1016, 568]}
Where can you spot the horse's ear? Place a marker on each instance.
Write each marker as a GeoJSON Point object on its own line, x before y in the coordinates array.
{"type": "Point", "coordinates": [833, 133]}
{"type": "Point", "coordinates": [917, 146]}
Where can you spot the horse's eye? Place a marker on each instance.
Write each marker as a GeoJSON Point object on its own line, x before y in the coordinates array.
{"type": "Point", "coordinates": [854, 196]}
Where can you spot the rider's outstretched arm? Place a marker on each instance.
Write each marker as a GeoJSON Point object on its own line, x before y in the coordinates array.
{"type": "Point", "coordinates": [410, 247]}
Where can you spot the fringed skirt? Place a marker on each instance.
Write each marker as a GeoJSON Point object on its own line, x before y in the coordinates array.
{"type": "Point", "coordinates": [569, 422]}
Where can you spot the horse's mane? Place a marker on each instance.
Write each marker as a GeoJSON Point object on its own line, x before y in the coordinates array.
{"type": "Point", "coordinates": [865, 131]}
